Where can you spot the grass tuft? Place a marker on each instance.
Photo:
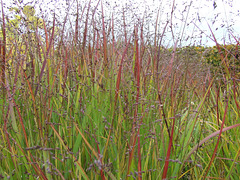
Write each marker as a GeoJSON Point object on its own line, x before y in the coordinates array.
{"type": "Point", "coordinates": [103, 96]}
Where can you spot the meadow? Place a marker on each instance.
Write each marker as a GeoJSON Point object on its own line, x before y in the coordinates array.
{"type": "Point", "coordinates": [89, 103]}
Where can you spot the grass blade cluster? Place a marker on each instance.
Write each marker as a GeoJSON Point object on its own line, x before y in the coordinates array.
{"type": "Point", "coordinates": [84, 100]}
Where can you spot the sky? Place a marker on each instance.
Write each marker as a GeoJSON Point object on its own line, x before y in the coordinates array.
{"type": "Point", "coordinates": [219, 15]}
{"type": "Point", "coordinates": [191, 18]}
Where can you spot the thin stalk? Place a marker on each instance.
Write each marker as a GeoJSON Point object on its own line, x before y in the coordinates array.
{"type": "Point", "coordinates": [219, 137]}
{"type": "Point", "coordinates": [105, 60]}
{"type": "Point", "coordinates": [3, 50]}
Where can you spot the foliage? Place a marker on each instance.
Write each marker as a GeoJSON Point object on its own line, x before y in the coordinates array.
{"type": "Point", "coordinates": [212, 57]}
{"type": "Point", "coordinates": [230, 57]}
{"type": "Point", "coordinates": [82, 105]}
{"type": "Point", "coordinates": [27, 16]}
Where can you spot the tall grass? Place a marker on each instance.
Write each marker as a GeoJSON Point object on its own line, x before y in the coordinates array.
{"type": "Point", "coordinates": [92, 105]}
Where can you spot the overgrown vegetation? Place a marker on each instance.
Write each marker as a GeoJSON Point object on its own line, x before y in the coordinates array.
{"type": "Point", "coordinates": [80, 100]}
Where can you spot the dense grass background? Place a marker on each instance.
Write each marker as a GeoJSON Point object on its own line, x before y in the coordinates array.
{"type": "Point", "coordinates": [89, 105]}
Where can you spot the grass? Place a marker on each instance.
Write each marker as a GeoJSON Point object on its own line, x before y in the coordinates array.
{"type": "Point", "coordinates": [87, 106]}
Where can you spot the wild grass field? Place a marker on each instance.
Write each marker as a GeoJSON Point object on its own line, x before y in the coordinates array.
{"type": "Point", "coordinates": [84, 100]}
